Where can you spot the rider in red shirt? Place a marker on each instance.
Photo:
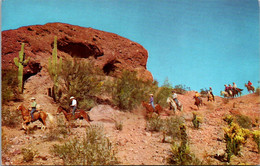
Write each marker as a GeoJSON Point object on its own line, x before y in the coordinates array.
{"type": "Point", "coordinates": [249, 83]}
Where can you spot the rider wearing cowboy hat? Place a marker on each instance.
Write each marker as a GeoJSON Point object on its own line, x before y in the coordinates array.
{"type": "Point", "coordinates": [33, 105]}
{"type": "Point", "coordinates": [73, 104]}
{"type": "Point", "coordinates": [211, 92]}
{"type": "Point", "coordinates": [152, 101]}
{"type": "Point", "coordinates": [174, 97]}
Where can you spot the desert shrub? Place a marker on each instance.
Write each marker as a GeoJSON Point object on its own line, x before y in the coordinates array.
{"type": "Point", "coordinates": [168, 126]}
{"type": "Point", "coordinates": [93, 149]}
{"type": "Point", "coordinates": [9, 85]}
{"type": "Point", "coordinates": [229, 119]}
{"type": "Point", "coordinates": [256, 138]}
{"type": "Point", "coordinates": [10, 118]}
{"type": "Point", "coordinates": [155, 123]}
{"type": "Point", "coordinates": [28, 154]}
{"type": "Point", "coordinates": [204, 92]}
{"type": "Point", "coordinates": [163, 93]}
{"type": "Point", "coordinates": [234, 137]}
{"type": "Point", "coordinates": [196, 120]}
{"type": "Point", "coordinates": [181, 89]}
{"type": "Point", "coordinates": [172, 125]}
{"type": "Point", "coordinates": [61, 131]}
{"type": "Point", "coordinates": [181, 154]}
{"type": "Point", "coordinates": [82, 80]}
{"type": "Point", "coordinates": [244, 121]}
{"type": "Point", "coordinates": [129, 91]}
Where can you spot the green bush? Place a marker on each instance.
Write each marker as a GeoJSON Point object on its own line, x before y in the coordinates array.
{"type": "Point", "coordinates": [61, 130]}
{"type": "Point", "coordinates": [93, 149]}
{"type": "Point", "coordinates": [28, 154]}
{"type": "Point", "coordinates": [256, 138]}
{"type": "Point", "coordinates": [11, 118]}
{"type": "Point", "coordinates": [204, 92]}
{"type": "Point", "coordinates": [180, 154]}
{"type": "Point", "coordinates": [234, 137]}
{"type": "Point", "coordinates": [196, 120]}
{"type": "Point", "coordinates": [168, 126]}
{"type": "Point", "coordinates": [9, 86]}
{"type": "Point", "coordinates": [81, 80]}
{"type": "Point", "coordinates": [129, 91]}
{"type": "Point", "coordinates": [181, 89]}
{"type": "Point", "coordinates": [155, 123]}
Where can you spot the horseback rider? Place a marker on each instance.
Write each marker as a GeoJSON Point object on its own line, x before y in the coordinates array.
{"type": "Point", "coordinates": [152, 101]}
{"type": "Point", "coordinates": [227, 89]}
{"type": "Point", "coordinates": [197, 94]}
{"type": "Point", "coordinates": [73, 104]}
{"type": "Point", "coordinates": [33, 105]}
{"type": "Point", "coordinates": [249, 84]}
{"type": "Point", "coordinates": [211, 92]}
{"type": "Point", "coordinates": [174, 97]}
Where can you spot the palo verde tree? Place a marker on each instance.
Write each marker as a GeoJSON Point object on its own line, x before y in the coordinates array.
{"type": "Point", "coordinates": [21, 63]}
{"type": "Point", "coordinates": [54, 69]}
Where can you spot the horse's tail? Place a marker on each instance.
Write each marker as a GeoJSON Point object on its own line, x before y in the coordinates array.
{"type": "Point", "coordinates": [50, 116]}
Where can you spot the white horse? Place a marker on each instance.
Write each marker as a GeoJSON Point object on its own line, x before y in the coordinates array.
{"type": "Point", "coordinates": [225, 94]}
{"type": "Point", "coordinates": [173, 105]}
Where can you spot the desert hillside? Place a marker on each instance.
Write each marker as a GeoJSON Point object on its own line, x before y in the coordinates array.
{"type": "Point", "coordinates": [132, 137]}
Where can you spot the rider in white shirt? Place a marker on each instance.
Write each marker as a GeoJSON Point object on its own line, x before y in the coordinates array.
{"type": "Point", "coordinates": [73, 104]}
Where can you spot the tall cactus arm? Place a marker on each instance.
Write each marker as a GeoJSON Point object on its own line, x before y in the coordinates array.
{"type": "Point", "coordinates": [16, 62]}
{"type": "Point", "coordinates": [25, 62]}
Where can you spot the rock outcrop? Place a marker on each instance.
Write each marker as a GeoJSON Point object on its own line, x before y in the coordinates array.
{"type": "Point", "coordinates": [111, 52]}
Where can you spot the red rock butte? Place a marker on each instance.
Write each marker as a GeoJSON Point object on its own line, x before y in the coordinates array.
{"type": "Point", "coordinates": [109, 51]}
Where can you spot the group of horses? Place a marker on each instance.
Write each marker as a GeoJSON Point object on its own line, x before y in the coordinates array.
{"type": "Point", "coordinates": [82, 114]}
{"type": "Point", "coordinates": [235, 92]}
{"type": "Point", "coordinates": [42, 116]}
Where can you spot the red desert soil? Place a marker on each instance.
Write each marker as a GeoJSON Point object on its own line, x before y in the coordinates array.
{"type": "Point", "coordinates": [135, 145]}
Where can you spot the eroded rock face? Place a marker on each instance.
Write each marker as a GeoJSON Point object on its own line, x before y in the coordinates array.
{"type": "Point", "coordinates": [111, 52]}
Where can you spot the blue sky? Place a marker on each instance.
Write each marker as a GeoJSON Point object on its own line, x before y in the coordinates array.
{"type": "Point", "coordinates": [196, 43]}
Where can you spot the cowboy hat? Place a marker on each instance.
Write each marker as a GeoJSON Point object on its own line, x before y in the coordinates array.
{"type": "Point", "coordinates": [72, 97]}
{"type": "Point", "coordinates": [33, 98]}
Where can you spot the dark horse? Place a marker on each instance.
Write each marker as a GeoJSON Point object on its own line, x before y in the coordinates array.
{"type": "Point", "coordinates": [149, 108]}
{"type": "Point", "coordinates": [78, 114]}
{"type": "Point", "coordinates": [236, 92]}
{"type": "Point", "coordinates": [198, 102]}
{"type": "Point", "coordinates": [38, 115]}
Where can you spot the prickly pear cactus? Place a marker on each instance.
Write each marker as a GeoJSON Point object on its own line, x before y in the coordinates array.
{"type": "Point", "coordinates": [21, 63]}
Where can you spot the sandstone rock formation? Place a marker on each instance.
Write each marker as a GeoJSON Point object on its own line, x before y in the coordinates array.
{"type": "Point", "coordinates": [111, 52]}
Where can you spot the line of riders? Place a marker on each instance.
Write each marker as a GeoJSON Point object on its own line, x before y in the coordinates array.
{"type": "Point", "coordinates": [34, 105]}
{"type": "Point", "coordinates": [231, 90]}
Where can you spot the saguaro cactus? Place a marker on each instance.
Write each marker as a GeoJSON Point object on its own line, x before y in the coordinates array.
{"type": "Point", "coordinates": [20, 63]}
{"type": "Point", "coordinates": [55, 68]}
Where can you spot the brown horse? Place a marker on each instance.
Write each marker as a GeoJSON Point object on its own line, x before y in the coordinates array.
{"type": "Point", "coordinates": [38, 115]}
{"type": "Point", "coordinates": [236, 92]}
{"type": "Point", "coordinates": [149, 108]}
{"type": "Point", "coordinates": [250, 88]}
{"type": "Point", "coordinates": [198, 102]}
{"type": "Point", "coordinates": [78, 114]}
{"type": "Point", "coordinates": [210, 96]}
